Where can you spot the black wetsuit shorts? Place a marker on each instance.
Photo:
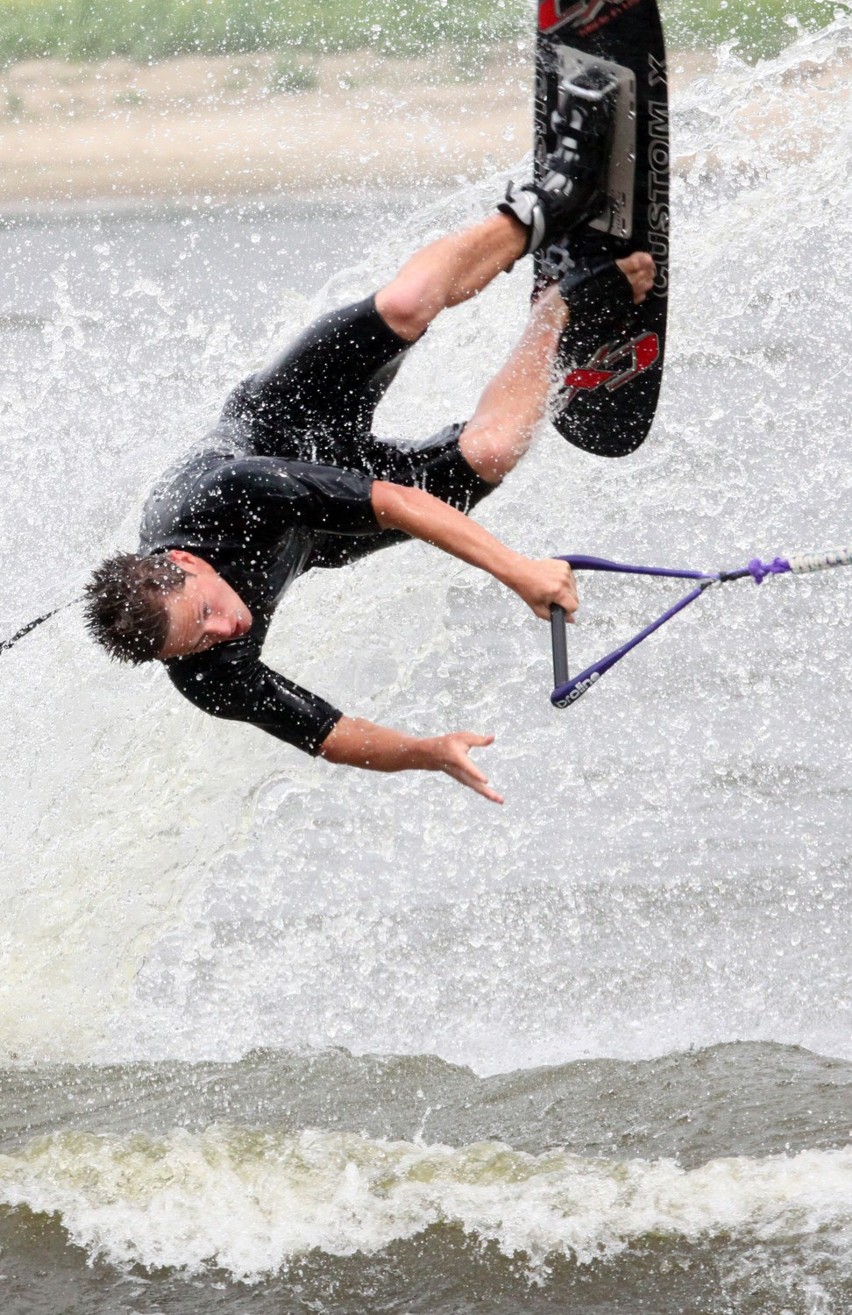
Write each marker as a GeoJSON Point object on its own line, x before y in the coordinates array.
{"type": "Point", "coordinates": [316, 403]}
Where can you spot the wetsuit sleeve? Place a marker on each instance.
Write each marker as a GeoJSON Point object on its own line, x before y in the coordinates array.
{"type": "Point", "coordinates": [239, 687]}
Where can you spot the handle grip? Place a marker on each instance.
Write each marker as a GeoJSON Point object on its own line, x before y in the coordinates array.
{"type": "Point", "coordinates": [559, 645]}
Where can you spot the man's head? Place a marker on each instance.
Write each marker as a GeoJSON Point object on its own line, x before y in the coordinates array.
{"type": "Point", "coordinates": [164, 606]}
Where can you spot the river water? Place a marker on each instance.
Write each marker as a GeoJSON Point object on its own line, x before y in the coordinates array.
{"type": "Point", "coordinates": [278, 1036]}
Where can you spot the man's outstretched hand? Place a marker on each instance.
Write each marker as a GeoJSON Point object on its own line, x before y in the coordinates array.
{"type": "Point", "coordinates": [360, 743]}
{"type": "Point", "coordinates": [449, 753]}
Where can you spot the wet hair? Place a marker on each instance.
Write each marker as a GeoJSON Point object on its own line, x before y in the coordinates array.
{"type": "Point", "coordinates": [126, 604]}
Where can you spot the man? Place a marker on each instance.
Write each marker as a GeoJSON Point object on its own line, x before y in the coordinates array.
{"type": "Point", "coordinates": [292, 477]}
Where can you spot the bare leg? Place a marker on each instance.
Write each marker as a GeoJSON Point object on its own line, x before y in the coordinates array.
{"type": "Point", "coordinates": [447, 272]}
{"type": "Point", "coordinates": [514, 402]}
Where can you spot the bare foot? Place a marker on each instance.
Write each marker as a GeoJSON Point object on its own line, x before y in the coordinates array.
{"type": "Point", "coordinates": [639, 270]}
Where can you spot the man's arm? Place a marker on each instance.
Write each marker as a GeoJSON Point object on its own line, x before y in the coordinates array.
{"type": "Point", "coordinates": [539, 583]}
{"type": "Point", "coordinates": [358, 743]}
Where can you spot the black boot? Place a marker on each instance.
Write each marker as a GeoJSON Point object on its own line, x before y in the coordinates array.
{"type": "Point", "coordinates": [572, 189]}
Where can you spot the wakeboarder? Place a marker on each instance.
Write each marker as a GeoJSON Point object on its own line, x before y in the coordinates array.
{"type": "Point", "coordinates": [292, 478]}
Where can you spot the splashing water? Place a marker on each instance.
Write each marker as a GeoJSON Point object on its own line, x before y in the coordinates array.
{"type": "Point", "coordinates": [672, 865]}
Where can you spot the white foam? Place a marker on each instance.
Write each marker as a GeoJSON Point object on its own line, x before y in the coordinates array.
{"type": "Point", "coordinates": [251, 1202]}
{"type": "Point", "coordinates": [177, 886]}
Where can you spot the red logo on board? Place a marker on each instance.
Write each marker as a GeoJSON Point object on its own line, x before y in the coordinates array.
{"type": "Point", "coordinates": [612, 366]}
{"type": "Point", "coordinates": [587, 15]}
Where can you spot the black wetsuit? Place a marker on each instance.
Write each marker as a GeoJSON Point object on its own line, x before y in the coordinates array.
{"type": "Point", "coordinates": [282, 485]}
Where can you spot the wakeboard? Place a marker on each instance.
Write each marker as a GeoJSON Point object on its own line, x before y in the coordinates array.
{"type": "Point", "coordinates": [610, 372]}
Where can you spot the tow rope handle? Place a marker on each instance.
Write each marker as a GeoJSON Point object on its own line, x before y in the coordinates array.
{"type": "Point", "coordinates": [558, 639]}
{"type": "Point", "coordinates": [566, 691]}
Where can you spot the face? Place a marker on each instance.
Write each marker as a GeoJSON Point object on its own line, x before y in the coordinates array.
{"type": "Point", "coordinates": [206, 611]}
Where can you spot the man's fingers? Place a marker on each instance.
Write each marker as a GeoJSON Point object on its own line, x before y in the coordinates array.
{"type": "Point", "coordinates": [562, 592]}
{"type": "Point", "coordinates": [486, 792]}
{"type": "Point", "coordinates": [464, 770]}
{"type": "Point", "coordinates": [570, 592]}
{"type": "Point", "coordinates": [477, 781]}
{"type": "Point", "coordinates": [639, 269]}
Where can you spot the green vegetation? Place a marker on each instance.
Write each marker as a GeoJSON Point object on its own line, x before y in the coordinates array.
{"type": "Point", "coordinates": [155, 29]}
{"type": "Point", "coordinates": [758, 27]}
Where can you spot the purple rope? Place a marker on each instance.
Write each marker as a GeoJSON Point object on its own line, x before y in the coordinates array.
{"type": "Point", "coordinates": [757, 569]}
{"type": "Point", "coordinates": [581, 563]}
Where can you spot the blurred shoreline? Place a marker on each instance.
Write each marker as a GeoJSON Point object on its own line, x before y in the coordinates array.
{"type": "Point", "coordinates": [118, 135]}
{"type": "Point", "coordinates": [214, 128]}
{"type": "Point", "coordinates": [218, 127]}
